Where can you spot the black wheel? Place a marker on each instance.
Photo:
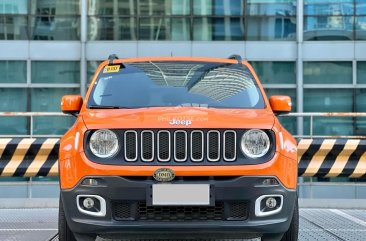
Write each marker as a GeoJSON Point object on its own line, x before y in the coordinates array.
{"type": "Point", "coordinates": [64, 232]}
{"type": "Point", "coordinates": [293, 232]}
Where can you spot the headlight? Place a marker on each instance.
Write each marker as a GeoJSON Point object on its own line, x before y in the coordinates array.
{"type": "Point", "coordinates": [104, 143]}
{"type": "Point", "coordinates": [255, 143]}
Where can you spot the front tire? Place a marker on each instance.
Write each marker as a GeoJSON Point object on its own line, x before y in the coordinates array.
{"type": "Point", "coordinates": [64, 232]}
{"type": "Point", "coordinates": [293, 232]}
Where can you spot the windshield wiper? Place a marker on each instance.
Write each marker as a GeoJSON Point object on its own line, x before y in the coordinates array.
{"type": "Point", "coordinates": [107, 107]}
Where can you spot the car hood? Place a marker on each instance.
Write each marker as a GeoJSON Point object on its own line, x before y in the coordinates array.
{"type": "Point", "coordinates": [177, 117]}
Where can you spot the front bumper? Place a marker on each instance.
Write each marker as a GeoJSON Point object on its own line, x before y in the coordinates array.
{"type": "Point", "coordinates": [225, 190]}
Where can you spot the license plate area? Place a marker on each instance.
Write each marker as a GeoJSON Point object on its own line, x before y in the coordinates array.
{"type": "Point", "coordinates": [181, 195]}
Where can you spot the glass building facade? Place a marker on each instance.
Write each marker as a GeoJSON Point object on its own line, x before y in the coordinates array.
{"type": "Point", "coordinates": [311, 50]}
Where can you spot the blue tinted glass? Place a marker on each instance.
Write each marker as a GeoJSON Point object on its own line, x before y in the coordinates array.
{"type": "Point", "coordinates": [360, 128]}
{"type": "Point", "coordinates": [13, 125]}
{"type": "Point", "coordinates": [13, 71]}
{"type": "Point", "coordinates": [328, 72]}
{"type": "Point", "coordinates": [228, 26]}
{"type": "Point", "coordinates": [273, 8]}
{"type": "Point", "coordinates": [218, 7]}
{"type": "Point", "coordinates": [325, 100]}
{"type": "Point", "coordinates": [328, 28]}
{"type": "Point", "coordinates": [361, 75]}
{"type": "Point", "coordinates": [360, 23]}
{"type": "Point", "coordinates": [14, 7]}
{"type": "Point", "coordinates": [227, 7]}
{"type": "Point", "coordinates": [360, 7]}
{"type": "Point", "coordinates": [271, 28]}
{"type": "Point", "coordinates": [330, 7]}
{"type": "Point", "coordinates": [276, 72]}
{"type": "Point", "coordinates": [199, 84]}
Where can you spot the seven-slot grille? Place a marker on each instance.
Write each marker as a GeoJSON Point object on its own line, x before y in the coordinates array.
{"type": "Point", "coordinates": [179, 145]}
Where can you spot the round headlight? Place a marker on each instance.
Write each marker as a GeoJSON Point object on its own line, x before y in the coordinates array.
{"type": "Point", "coordinates": [255, 143]}
{"type": "Point", "coordinates": [103, 143]}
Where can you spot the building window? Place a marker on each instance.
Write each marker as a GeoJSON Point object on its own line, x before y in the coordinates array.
{"type": "Point", "coordinates": [49, 81]}
{"type": "Point", "coordinates": [39, 20]}
{"type": "Point", "coordinates": [199, 20]}
{"type": "Point", "coordinates": [13, 20]}
{"type": "Point", "coordinates": [48, 100]}
{"type": "Point", "coordinates": [361, 73]}
{"type": "Point", "coordinates": [327, 72]}
{"type": "Point", "coordinates": [270, 72]}
{"type": "Point", "coordinates": [270, 20]}
{"type": "Point", "coordinates": [164, 29]}
{"type": "Point", "coordinates": [223, 29]}
{"type": "Point", "coordinates": [325, 100]}
{"type": "Point", "coordinates": [329, 19]}
{"type": "Point", "coordinates": [55, 72]}
{"type": "Point", "coordinates": [13, 72]}
{"type": "Point", "coordinates": [13, 125]}
{"type": "Point", "coordinates": [360, 20]}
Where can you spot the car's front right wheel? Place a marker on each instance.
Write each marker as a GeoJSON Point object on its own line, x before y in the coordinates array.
{"type": "Point", "coordinates": [64, 232]}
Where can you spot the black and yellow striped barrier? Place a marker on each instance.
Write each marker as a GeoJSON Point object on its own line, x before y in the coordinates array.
{"type": "Point", "coordinates": [28, 157]}
{"type": "Point", "coordinates": [317, 157]}
{"type": "Point", "coordinates": [332, 158]}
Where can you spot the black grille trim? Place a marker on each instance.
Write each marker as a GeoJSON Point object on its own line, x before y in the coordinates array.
{"type": "Point", "coordinates": [164, 146]}
{"type": "Point", "coordinates": [120, 157]}
{"type": "Point", "coordinates": [197, 148]}
{"type": "Point", "coordinates": [213, 147]}
{"type": "Point", "coordinates": [139, 211]}
{"type": "Point", "coordinates": [147, 147]}
{"type": "Point", "coordinates": [130, 141]}
{"type": "Point", "coordinates": [229, 149]}
{"type": "Point", "coordinates": [180, 153]}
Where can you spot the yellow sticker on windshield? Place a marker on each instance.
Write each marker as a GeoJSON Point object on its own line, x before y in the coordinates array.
{"type": "Point", "coordinates": [111, 69]}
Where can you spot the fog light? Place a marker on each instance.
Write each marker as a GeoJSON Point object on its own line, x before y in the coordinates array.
{"type": "Point", "coordinates": [90, 182]}
{"type": "Point", "coordinates": [271, 202]}
{"type": "Point", "coordinates": [270, 182]}
{"type": "Point", "coordinates": [88, 203]}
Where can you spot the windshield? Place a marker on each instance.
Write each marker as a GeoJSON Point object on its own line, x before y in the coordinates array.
{"type": "Point", "coordinates": [158, 84]}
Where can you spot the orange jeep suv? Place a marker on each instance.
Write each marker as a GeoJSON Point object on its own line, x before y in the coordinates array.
{"type": "Point", "coordinates": [177, 148]}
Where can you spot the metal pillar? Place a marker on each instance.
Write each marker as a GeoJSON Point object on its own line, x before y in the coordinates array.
{"type": "Point", "coordinates": [83, 39]}
{"type": "Point", "coordinates": [299, 65]}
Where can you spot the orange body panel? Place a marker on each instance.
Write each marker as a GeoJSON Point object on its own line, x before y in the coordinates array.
{"type": "Point", "coordinates": [74, 164]}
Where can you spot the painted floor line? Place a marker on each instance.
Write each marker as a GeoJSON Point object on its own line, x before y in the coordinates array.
{"type": "Point", "coordinates": [349, 217]}
{"type": "Point", "coordinates": [28, 229]}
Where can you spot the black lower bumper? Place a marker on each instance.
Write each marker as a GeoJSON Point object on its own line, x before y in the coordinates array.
{"type": "Point", "coordinates": [225, 192]}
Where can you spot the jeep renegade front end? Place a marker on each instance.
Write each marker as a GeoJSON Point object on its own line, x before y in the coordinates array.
{"type": "Point", "coordinates": [177, 148]}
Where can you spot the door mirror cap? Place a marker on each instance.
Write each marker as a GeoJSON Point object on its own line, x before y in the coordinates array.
{"type": "Point", "coordinates": [71, 104]}
{"type": "Point", "coordinates": [280, 104]}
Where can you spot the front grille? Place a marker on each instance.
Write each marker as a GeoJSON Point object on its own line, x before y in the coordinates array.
{"type": "Point", "coordinates": [147, 146]}
{"type": "Point", "coordinates": [222, 211]}
{"type": "Point", "coordinates": [180, 145]}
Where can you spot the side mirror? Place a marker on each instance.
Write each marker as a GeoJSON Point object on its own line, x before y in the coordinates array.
{"type": "Point", "coordinates": [71, 104]}
{"type": "Point", "coordinates": [280, 104]}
